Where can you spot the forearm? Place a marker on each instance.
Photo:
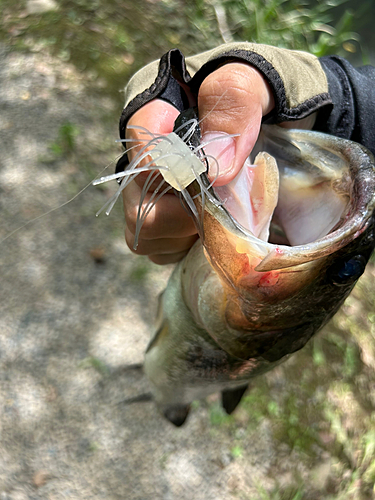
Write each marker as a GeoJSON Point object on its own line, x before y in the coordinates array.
{"type": "Point", "coordinates": [352, 91]}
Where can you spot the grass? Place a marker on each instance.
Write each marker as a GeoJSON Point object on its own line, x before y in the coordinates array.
{"type": "Point", "coordinates": [290, 493]}
{"type": "Point", "coordinates": [65, 144]}
{"type": "Point", "coordinates": [97, 364]}
{"type": "Point", "coordinates": [109, 41]}
{"type": "Point", "coordinates": [140, 270]}
{"type": "Point", "coordinates": [320, 408]}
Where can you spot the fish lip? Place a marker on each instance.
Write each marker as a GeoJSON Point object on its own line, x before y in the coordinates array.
{"type": "Point", "coordinates": [282, 256]}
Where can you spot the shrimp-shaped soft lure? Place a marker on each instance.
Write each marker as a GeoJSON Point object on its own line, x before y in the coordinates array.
{"type": "Point", "coordinates": [180, 160]}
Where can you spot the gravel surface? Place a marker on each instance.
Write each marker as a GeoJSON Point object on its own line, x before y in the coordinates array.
{"type": "Point", "coordinates": [76, 310]}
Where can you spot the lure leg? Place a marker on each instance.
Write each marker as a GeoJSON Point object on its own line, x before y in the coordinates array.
{"type": "Point", "coordinates": [231, 397]}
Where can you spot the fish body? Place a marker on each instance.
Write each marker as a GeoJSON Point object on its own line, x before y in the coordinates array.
{"type": "Point", "coordinates": [237, 305]}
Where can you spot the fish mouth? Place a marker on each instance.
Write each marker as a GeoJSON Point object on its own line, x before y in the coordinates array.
{"type": "Point", "coordinates": [309, 195]}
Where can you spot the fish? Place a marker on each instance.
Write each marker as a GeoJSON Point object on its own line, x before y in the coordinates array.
{"type": "Point", "coordinates": [279, 250]}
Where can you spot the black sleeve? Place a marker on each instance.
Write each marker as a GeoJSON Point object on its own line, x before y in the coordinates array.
{"type": "Point", "coordinates": [352, 91]}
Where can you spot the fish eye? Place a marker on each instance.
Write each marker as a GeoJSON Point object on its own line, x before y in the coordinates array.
{"type": "Point", "coordinates": [349, 271]}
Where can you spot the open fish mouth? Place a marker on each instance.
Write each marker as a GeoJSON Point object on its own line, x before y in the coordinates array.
{"type": "Point", "coordinates": [289, 202]}
{"type": "Point", "coordinates": [283, 236]}
{"type": "Point", "coordinates": [301, 196]}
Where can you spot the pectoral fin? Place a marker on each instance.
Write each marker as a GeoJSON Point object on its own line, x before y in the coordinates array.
{"type": "Point", "coordinates": [177, 414]}
{"type": "Point", "coordinates": [230, 398]}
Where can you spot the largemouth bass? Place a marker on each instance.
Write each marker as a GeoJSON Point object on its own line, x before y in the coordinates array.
{"type": "Point", "coordinates": [280, 249]}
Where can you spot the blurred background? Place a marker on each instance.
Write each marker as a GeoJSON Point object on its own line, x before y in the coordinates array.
{"type": "Point", "coordinates": [109, 41]}
{"type": "Point", "coordinates": [77, 308]}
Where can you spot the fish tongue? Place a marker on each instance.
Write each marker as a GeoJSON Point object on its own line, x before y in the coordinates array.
{"type": "Point", "coordinates": [251, 197]}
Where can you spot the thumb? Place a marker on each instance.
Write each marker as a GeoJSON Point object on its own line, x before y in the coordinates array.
{"type": "Point", "coordinates": [232, 100]}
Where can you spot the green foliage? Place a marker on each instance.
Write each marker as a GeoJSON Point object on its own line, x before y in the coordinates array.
{"type": "Point", "coordinates": [290, 23]}
{"type": "Point", "coordinates": [293, 24]}
{"type": "Point", "coordinates": [236, 451]}
{"type": "Point", "coordinates": [318, 353]}
{"type": "Point", "coordinates": [65, 143]}
{"type": "Point", "coordinates": [111, 40]}
{"type": "Point", "coordinates": [290, 493]}
{"type": "Point", "coordinates": [140, 270]}
{"type": "Point", "coordinates": [97, 364]}
{"type": "Point", "coordinates": [257, 402]}
{"type": "Point", "coordinates": [218, 417]}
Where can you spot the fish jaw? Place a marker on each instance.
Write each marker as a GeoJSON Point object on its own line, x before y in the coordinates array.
{"type": "Point", "coordinates": [250, 324]}
{"type": "Point", "coordinates": [308, 161]}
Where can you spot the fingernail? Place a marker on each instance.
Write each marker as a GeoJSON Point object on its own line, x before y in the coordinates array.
{"type": "Point", "coordinates": [220, 147]}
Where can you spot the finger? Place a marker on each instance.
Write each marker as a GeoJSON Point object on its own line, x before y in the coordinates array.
{"type": "Point", "coordinates": [160, 246]}
{"type": "Point", "coordinates": [167, 219]}
{"type": "Point", "coordinates": [158, 118]}
{"type": "Point", "coordinates": [232, 100]}
{"type": "Point", "coordinates": [163, 259]}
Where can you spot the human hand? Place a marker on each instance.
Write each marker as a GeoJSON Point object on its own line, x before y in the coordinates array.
{"type": "Point", "coordinates": [231, 100]}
